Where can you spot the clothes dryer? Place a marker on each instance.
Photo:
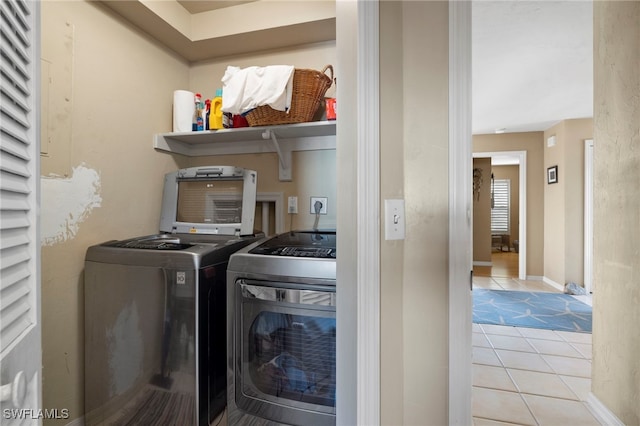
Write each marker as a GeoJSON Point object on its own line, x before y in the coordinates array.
{"type": "Point", "coordinates": [281, 365]}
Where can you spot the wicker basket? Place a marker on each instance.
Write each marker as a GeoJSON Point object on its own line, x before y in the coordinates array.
{"type": "Point", "coordinates": [309, 87]}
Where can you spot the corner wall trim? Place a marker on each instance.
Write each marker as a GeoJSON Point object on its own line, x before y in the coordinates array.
{"type": "Point", "coordinates": [602, 413]}
{"type": "Point", "coordinates": [552, 283]}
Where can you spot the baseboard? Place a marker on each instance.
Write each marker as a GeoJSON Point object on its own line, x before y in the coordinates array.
{"type": "Point", "coordinates": [534, 278]}
{"type": "Point", "coordinates": [601, 412]}
{"type": "Point", "coordinates": [553, 283]}
{"type": "Point", "coordinates": [479, 263]}
{"type": "Point", "coordinates": [77, 422]}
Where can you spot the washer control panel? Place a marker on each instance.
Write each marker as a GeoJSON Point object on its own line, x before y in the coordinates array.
{"type": "Point", "coordinates": [307, 252]}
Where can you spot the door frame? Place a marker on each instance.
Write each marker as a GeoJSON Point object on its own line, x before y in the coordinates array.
{"type": "Point", "coordinates": [460, 214]}
{"type": "Point", "coordinates": [522, 204]}
{"type": "Point", "coordinates": [363, 387]}
{"type": "Point", "coordinates": [588, 216]}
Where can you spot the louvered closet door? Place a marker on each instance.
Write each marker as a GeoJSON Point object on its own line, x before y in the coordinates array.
{"type": "Point", "coordinates": [20, 349]}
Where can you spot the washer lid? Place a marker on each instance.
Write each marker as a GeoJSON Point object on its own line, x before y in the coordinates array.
{"type": "Point", "coordinates": [209, 200]}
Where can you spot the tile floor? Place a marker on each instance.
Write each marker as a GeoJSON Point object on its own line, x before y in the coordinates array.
{"type": "Point", "coordinates": [529, 376]}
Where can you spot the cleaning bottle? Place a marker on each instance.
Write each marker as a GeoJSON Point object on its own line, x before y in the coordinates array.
{"type": "Point", "coordinates": [215, 117]}
{"type": "Point", "coordinates": [197, 123]}
{"type": "Point", "coordinates": [207, 113]}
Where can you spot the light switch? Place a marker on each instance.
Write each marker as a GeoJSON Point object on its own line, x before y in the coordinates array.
{"type": "Point", "coordinates": [394, 219]}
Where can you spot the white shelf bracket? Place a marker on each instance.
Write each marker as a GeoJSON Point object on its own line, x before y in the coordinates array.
{"type": "Point", "coordinates": [284, 156]}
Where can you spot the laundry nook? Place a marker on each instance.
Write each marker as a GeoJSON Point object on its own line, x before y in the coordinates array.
{"type": "Point", "coordinates": [318, 212]}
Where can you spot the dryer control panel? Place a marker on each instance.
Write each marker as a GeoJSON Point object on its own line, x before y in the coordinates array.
{"type": "Point", "coordinates": [316, 244]}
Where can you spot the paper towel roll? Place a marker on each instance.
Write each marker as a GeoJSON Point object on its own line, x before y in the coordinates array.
{"type": "Point", "coordinates": [183, 109]}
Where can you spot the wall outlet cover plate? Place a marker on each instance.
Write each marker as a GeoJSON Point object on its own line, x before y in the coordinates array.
{"type": "Point", "coordinates": [312, 204]}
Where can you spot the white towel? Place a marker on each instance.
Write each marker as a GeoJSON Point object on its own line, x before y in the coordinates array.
{"type": "Point", "coordinates": [248, 88]}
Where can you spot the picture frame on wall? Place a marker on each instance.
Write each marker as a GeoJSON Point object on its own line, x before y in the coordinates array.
{"type": "Point", "coordinates": [552, 175]}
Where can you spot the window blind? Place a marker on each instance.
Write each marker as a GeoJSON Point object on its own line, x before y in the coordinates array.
{"type": "Point", "coordinates": [19, 171]}
{"type": "Point", "coordinates": [500, 210]}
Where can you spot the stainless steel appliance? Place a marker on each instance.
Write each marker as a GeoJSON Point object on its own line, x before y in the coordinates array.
{"type": "Point", "coordinates": [155, 306]}
{"type": "Point", "coordinates": [282, 331]}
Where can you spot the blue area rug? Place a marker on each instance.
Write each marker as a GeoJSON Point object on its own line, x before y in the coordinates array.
{"type": "Point", "coordinates": [551, 311]}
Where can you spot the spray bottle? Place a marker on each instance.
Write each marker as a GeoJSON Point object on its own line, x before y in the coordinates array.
{"type": "Point", "coordinates": [198, 124]}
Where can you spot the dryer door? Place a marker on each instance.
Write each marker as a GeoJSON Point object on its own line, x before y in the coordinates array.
{"type": "Point", "coordinates": [286, 345]}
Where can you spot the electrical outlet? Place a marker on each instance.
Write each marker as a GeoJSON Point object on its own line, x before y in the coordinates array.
{"type": "Point", "coordinates": [293, 205]}
{"type": "Point", "coordinates": [322, 201]}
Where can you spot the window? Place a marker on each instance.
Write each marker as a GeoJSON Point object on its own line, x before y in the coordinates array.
{"type": "Point", "coordinates": [501, 199]}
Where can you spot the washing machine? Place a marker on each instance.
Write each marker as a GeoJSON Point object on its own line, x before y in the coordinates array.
{"type": "Point", "coordinates": [281, 318]}
{"type": "Point", "coordinates": [155, 305]}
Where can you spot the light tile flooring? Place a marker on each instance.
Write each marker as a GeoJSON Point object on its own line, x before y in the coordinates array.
{"type": "Point", "coordinates": [529, 376]}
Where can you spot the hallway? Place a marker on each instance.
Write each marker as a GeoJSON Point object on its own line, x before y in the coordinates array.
{"type": "Point", "coordinates": [504, 265]}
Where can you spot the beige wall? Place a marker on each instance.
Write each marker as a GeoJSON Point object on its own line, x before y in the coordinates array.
{"type": "Point", "coordinates": [616, 342]}
{"type": "Point", "coordinates": [554, 212]}
{"type": "Point", "coordinates": [425, 264]}
{"type": "Point", "coordinates": [111, 90]}
{"type": "Point", "coordinates": [532, 143]}
{"type": "Point", "coordinates": [118, 100]}
{"type": "Point", "coordinates": [314, 172]}
{"type": "Point", "coordinates": [564, 202]}
{"type": "Point", "coordinates": [482, 213]}
{"type": "Point", "coordinates": [414, 272]}
{"type": "Point", "coordinates": [391, 187]}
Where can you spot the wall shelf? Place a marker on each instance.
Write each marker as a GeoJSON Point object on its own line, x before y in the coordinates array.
{"type": "Point", "coordinates": [281, 139]}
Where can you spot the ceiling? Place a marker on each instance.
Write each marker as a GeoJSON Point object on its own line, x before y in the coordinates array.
{"type": "Point", "coordinates": [197, 6]}
{"type": "Point", "coordinates": [532, 64]}
{"type": "Point", "coordinates": [532, 60]}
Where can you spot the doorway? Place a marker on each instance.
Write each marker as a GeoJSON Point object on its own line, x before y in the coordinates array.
{"type": "Point", "coordinates": [514, 158]}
